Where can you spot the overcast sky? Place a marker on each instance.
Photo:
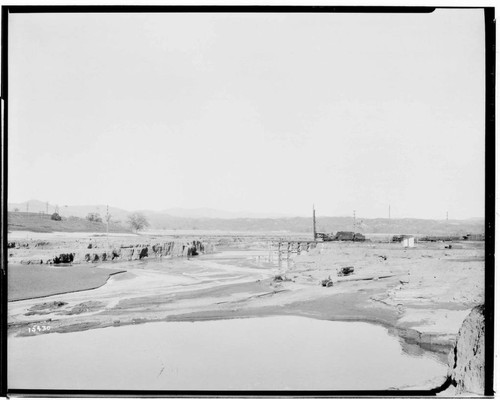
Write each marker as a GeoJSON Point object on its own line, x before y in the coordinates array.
{"type": "Point", "coordinates": [250, 112]}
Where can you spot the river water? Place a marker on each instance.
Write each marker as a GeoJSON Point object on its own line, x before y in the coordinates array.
{"type": "Point", "coordinates": [272, 353]}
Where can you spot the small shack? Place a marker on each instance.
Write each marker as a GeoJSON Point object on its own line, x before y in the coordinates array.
{"type": "Point", "coordinates": [408, 241]}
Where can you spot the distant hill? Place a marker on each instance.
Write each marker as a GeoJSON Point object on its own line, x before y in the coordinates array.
{"type": "Point", "coordinates": [210, 219]}
{"type": "Point", "coordinates": [213, 213]}
{"type": "Point", "coordinates": [37, 206]}
{"type": "Point", "coordinates": [36, 222]}
{"type": "Point", "coordinates": [121, 215]}
{"type": "Point", "coordinates": [324, 224]}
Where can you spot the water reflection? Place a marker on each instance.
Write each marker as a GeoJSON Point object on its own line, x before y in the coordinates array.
{"type": "Point", "coordinates": [274, 353]}
{"type": "Point", "coordinates": [412, 344]}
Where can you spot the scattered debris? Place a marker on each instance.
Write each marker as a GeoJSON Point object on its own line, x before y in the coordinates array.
{"type": "Point", "coordinates": [345, 271]}
{"type": "Point", "coordinates": [327, 282]}
{"type": "Point", "coordinates": [45, 308]}
{"type": "Point", "coordinates": [85, 307]}
{"type": "Point", "coordinates": [281, 278]}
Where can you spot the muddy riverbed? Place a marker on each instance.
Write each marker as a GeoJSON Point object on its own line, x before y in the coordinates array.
{"type": "Point", "coordinates": [409, 293]}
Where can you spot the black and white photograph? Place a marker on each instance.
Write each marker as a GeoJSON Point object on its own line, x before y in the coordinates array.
{"type": "Point", "coordinates": [204, 199]}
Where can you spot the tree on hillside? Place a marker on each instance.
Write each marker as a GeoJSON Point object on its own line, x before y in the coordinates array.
{"type": "Point", "coordinates": [94, 217]}
{"type": "Point", "coordinates": [137, 221]}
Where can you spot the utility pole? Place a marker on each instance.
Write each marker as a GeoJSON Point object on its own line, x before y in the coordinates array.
{"type": "Point", "coordinates": [314, 224]}
{"type": "Point", "coordinates": [446, 216]}
{"type": "Point", "coordinates": [389, 219]}
{"type": "Point", "coordinates": [107, 220]}
{"type": "Point", "coordinates": [354, 222]}
{"type": "Point", "coordinates": [107, 224]}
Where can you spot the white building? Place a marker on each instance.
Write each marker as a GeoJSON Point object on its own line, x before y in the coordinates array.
{"type": "Point", "coordinates": [408, 241]}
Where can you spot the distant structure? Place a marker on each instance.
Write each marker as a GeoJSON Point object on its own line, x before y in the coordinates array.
{"type": "Point", "coordinates": [444, 238]}
{"type": "Point", "coordinates": [408, 241]}
{"type": "Point", "coordinates": [339, 236]}
{"type": "Point", "coordinates": [474, 236]}
{"type": "Point", "coordinates": [344, 236]}
{"type": "Point", "coordinates": [405, 240]}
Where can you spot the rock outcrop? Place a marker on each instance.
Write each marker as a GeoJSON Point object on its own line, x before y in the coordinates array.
{"type": "Point", "coordinates": [466, 359]}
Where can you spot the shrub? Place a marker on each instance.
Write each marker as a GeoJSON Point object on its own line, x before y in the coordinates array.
{"type": "Point", "coordinates": [56, 217]}
{"type": "Point", "coordinates": [94, 217]}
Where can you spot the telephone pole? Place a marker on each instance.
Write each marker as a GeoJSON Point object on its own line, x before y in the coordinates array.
{"type": "Point", "coordinates": [107, 220]}
{"type": "Point", "coordinates": [389, 211]}
{"type": "Point", "coordinates": [354, 221]}
{"type": "Point", "coordinates": [107, 225]}
{"type": "Point", "coordinates": [314, 224]}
